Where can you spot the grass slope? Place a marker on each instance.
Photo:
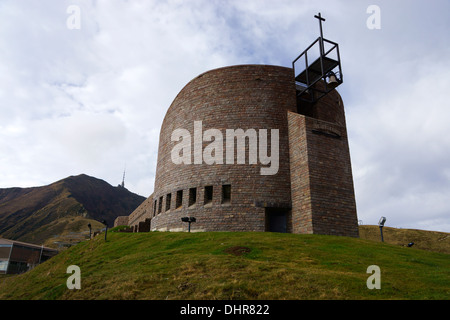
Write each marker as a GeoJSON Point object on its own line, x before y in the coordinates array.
{"type": "Point", "coordinates": [426, 240]}
{"type": "Point", "coordinates": [160, 265]}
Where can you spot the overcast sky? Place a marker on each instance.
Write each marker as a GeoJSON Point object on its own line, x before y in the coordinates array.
{"type": "Point", "coordinates": [90, 97]}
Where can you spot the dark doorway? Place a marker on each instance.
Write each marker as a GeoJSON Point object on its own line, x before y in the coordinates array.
{"type": "Point", "coordinates": [276, 219]}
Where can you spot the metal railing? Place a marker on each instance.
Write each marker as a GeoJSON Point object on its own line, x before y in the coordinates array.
{"type": "Point", "coordinates": [328, 66]}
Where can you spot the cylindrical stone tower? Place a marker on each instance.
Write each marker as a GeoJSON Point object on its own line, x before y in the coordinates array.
{"type": "Point", "coordinates": [239, 151]}
{"type": "Point", "coordinates": [222, 124]}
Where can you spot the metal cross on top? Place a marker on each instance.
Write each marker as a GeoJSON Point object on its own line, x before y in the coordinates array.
{"type": "Point", "coordinates": [320, 23]}
{"type": "Point", "coordinates": [321, 33]}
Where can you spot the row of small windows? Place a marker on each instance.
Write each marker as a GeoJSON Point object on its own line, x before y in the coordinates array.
{"type": "Point", "coordinates": [192, 199]}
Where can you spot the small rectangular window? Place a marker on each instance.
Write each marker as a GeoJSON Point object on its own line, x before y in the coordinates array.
{"type": "Point", "coordinates": [226, 193]}
{"type": "Point", "coordinates": [160, 204]}
{"type": "Point", "coordinates": [208, 194]}
{"type": "Point", "coordinates": [179, 200]}
{"type": "Point", "coordinates": [168, 199]}
{"type": "Point", "coordinates": [154, 207]}
{"type": "Point", "coordinates": [192, 196]}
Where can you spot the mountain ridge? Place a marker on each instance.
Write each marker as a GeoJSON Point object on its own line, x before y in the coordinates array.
{"type": "Point", "coordinates": [25, 210]}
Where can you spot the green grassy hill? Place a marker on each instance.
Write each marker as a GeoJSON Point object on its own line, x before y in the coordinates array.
{"type": "Point", "coordinates": [422, 239]}
{"type": "Point", "coordinates": [221, 265]}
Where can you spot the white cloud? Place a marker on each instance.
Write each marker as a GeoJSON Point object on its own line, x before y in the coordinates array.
{"type": "Point", "coordinates": [401, 150]}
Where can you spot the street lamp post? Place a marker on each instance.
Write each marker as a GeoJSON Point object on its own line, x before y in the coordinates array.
{"type": "Point", "coordinates": [381, 225]}
{"type": "Point", "coordinates": [188, 220]}
{"type": "Point", "coordinates": [106, 228]}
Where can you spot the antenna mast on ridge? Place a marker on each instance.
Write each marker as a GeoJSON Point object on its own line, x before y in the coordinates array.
{"type": "Point", "coordinates": [123, 180]}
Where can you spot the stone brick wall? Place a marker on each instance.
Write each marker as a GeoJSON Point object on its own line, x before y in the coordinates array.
{"type": "Point", "coordinates": [300, 184]}
{"type": "Point", "coordinates": [144, 211]}
{"type": "Point", "coordinates": [323, 198]}
{"type": "Point", "coordinates": [240, 97]}
{"type": "Point", "coordinates": [331, 182]}
{"type": "Point", "coordinates": [121, 221]}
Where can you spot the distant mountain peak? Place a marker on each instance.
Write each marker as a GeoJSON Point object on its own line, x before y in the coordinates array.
{"type": "Point", "coordinates": [25, 211]}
